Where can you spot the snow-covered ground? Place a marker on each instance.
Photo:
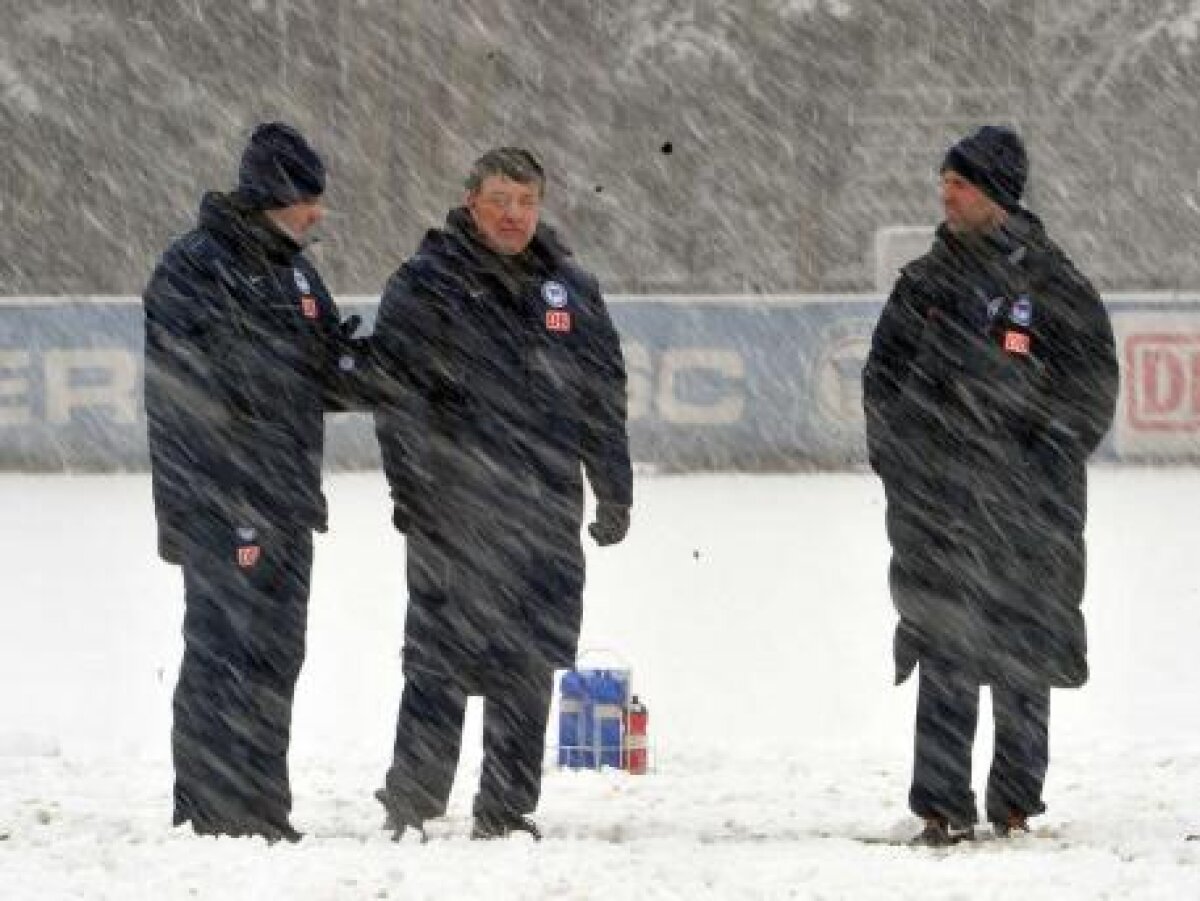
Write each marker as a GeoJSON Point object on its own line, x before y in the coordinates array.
{"type": "Point", "coordinates": [754, 613]}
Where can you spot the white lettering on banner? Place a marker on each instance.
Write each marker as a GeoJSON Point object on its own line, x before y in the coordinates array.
{"type": "Point", "coordinates": [727, 363]}
{"type": "Point", "coordinates": [65, 391]}
{"type": "Point", "coordinates": [658, 391]}
{"type": "Point", "coordinates": [837, 378]}
{"type": "Point", "coordinates": [15, 407]}
{"type": "Point", "coordinates": [640, 379]}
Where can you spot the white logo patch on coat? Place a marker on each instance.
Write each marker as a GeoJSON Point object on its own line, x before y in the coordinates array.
{"type": "Point", "coordinates": [1022, 311]}
{"type": "Point", "coordinates": [555, 294]}
{"type": "Point", "coordinates": [301, 281]}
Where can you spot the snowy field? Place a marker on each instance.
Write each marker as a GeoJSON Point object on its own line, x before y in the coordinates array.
{"type": "Point", "coordinates": [754, 613]}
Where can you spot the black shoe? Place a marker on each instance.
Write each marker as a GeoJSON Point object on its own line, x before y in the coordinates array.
{"type": "Point", "coordinates": [285, 833]}
{"type": "Point", "coordinates": [400, 816]}
{"type": "Point", "coordinates": [270, 832]}
{"type": "Point", "coordinates": [502, 825]}
{"type": "Point", "coordinates": [210, 828]}
{"type": "Point", "coordinates": [940, 833]}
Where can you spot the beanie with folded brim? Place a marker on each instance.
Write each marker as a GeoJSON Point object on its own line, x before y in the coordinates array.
{"type": "Point", "coordinates": [279, 168]}
{"type": "Point", "coordinates": [993, 159]}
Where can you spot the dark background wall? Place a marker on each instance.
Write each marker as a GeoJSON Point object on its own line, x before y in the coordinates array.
{"type": "Point", "coordinates": [740, 146]}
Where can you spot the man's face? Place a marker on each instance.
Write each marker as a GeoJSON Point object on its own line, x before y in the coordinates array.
{"type": "Point", "coordinates": [298, 219]}
{"type": "Point", "coordinates": [505, 212]}
{"type": "Point", "coordinates": [966, 207]}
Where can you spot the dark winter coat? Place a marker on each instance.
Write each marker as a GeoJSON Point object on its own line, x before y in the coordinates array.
{"type": "Point", "coordinates": [992, 376]}
{"type": "Point", "coordinates": [244, 353]}
{"type": "Point", "coordinates": [507, 380]}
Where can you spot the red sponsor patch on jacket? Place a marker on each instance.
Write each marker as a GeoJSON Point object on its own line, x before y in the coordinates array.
{"type": "Point", "coordinates": [1016, 342]}
{"type": "Point", "coordinates": [558, 320]}
{"type": "Point", "coordinates": [308, 305]}
{"type": "Point", "coordinates": [247, 555]}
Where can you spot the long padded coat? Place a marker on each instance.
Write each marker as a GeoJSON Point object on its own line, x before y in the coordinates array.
{"type": "Point", "coordinates": [244, 354]}
{"type": "Point", "coordinates": [992, 376]}
{"type": "Point", "coordinates": [507, 383]}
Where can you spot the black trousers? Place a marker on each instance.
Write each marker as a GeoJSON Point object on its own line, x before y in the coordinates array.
{"type": "Point", "coordinates": [244, 642]}
{"type": "Point", "coordinates": [947, 715]}
{"type": "Point", "coordinates": [429, 738]}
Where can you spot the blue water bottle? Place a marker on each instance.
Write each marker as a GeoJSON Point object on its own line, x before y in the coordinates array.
{"type": "Point", "coordinates": [572, 698]}
{"type": "Point", "coordinates": [608, 709]}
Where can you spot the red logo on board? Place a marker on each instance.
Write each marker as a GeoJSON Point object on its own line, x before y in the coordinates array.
{"type": "Point", "coordinates": [1163, 381]}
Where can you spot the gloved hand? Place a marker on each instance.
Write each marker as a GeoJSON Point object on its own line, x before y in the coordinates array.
{"type": "Point", "coordinates": [612, 522]}
{"type": "Point", "coordinates": [348, 326]}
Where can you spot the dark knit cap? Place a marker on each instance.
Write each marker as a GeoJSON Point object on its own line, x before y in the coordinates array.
{"type": "Point", "coordinates": [993, 159]}
{"type": "Point", "coordinates": [279, 168]}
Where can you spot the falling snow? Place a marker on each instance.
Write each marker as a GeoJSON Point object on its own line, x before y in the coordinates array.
{"type": "Point", "coordinates": [764, 167]}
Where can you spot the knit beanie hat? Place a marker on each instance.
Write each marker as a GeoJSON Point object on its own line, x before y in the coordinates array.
{"type": "Point", "coordinates": [993, 159]}
{"type": "Point", "coordinates": [279, 167]}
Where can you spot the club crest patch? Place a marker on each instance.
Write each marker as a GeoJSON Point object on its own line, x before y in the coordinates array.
{"type": "Point", "coordinates": [1022, 311]}
{"type": "Point", "coordinates": [247, 555]}
{"type": "Point", "coordinates": [555, 294]}
{"type": "Point", "coordinates": [558, 321]}
{"type": "Point", "coordinates": [301, 281]}
{"type": "Point", "coordinates": [308, 305]}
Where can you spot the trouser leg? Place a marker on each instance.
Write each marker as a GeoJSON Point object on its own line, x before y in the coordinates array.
{"type": "Point", "coordinates": [209, 706]}
{"type": "Point", "coordinates": [428, 741]}
{"type": "Point", "coordinates": [1022, 751]}
{"type": "Point", "coordinates": [276, 654]}
{"type": "Point", "coordinates": [516, 712]}
{"type": "Point", "coordinates": [243, 649]}
{"type": "Point", "coordinates": [947, 715]}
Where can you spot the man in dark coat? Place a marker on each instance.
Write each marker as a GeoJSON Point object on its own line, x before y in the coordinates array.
{"type": "Point", "coordinates": [991, 377]}
{"type": "Point", "coordinates": [244, 353]}
{"type": "Point", "coordinates": [507, 382]}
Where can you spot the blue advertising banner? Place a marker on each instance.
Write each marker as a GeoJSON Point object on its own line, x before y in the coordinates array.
{"type": "Point", "coordinates": [714, 382]}
{"type": "Point", "coordinates": [746, 382]}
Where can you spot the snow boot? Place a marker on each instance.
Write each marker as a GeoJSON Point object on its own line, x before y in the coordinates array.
{"type": "Point", "coordinates": [1014, 824]}
{"type": "Point", "coordinates": [501, 825]}
{"type": "Point", "coordinates": [940, 833]}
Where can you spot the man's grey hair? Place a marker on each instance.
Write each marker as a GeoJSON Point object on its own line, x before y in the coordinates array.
{"type": "Point", "coordinates": [515, 163]}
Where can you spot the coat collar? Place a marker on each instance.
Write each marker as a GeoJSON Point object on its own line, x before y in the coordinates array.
{"type": "Point", "coordinates": [245, 228]}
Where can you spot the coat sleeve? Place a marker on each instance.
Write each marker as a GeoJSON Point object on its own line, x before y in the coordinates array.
{"type": "Point", "coordinates": [605, 439]}
{"type": "Point", "coordinates": [894, 345]}
{"type": "Point", "coordinates": [404, 347]}
{"type": "Point", "coordinates": [1082, 377]}
{"type": "Point", "coordinates": [186, 406]}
